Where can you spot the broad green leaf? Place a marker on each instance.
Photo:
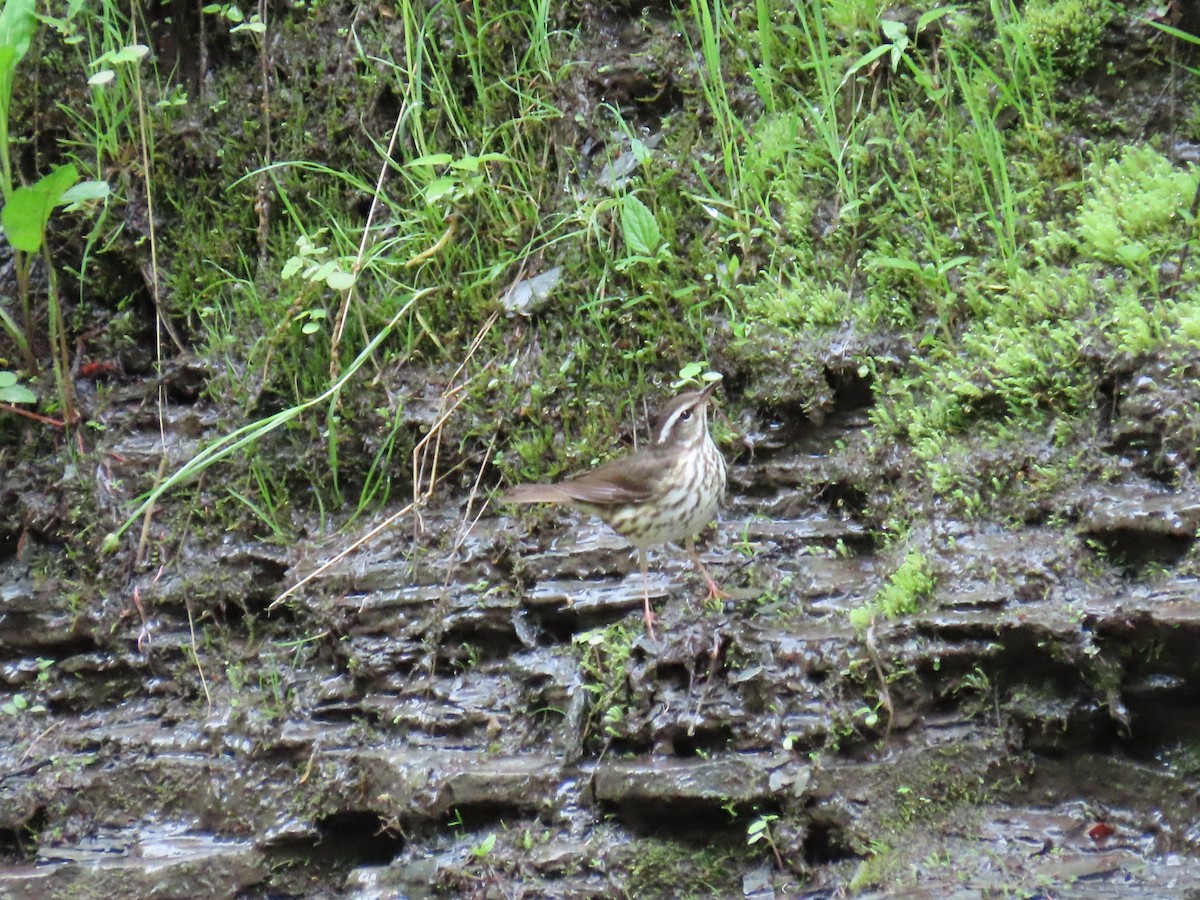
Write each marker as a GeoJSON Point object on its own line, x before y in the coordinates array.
{"type": "Point", "coordinates": [439, 188]}
{"type": "Point", "coordinates": [130, 53]}
{"type": "Point", "coordinates": [467, 164]}
{"type": "Point", "coordinates": [17, 24]}
{"type": "Point", "coordinates": [74, 197]}
{"type": "Point", "coordinates": [863, 61]}
{"type": "Point", "coordinates": [473, 163]}
{"type": "Point", "coordinates": [893, 29]}
{"type": "Point", "coordinates": [101, 78]}
{"type": "Point", "coordinates": [13, 392]}
{"type": "Point", "coordinates": [323, 271]}
{"type": "Point", "coordinates": [28, 209]}
{"type": "Point", "coordinates": [926, 18]}
{"type": "Point", "coordinates": [642, 235]}
{"type": "Point", "coordinates": [340, 281]}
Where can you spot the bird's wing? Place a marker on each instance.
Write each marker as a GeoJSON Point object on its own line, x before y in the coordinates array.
{"type": "Point", "coordinates": [631, 479]}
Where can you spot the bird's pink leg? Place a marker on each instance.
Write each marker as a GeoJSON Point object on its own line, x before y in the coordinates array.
{"type": "Point", "coordinates": [650, 617]}
{"type": "Point", "coordinates": [714, 592]}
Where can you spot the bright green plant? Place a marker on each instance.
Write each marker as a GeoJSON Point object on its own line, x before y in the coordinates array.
{"type": "Point", "coordinates": [902, 595]}
{"type": "Point", "coordinates": [1134, 208]}
{"type": "Point", "coordinates": [237, 19]}
{"type": "Point", "coordinates": [25, 216]}
{"type": "Point", "coordinates": [760, 831]}
{"type": "Point", "coordinates": [604, 655]}
{"type": "Point", "coordinates": [17, 25]}
{"type": "Point", "coordinates": [644, 242]}
{"type": "Point", "coordinates": [12, 391]}
{"type": "Point", "coordinates": [19, 705]}
{"type": "Point", "coordinates": [1066, 32]}
{"type": "Point", "coordinates": [27, 209]}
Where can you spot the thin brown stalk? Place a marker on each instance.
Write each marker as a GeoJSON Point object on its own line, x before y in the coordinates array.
{"type": "Point", "coordinates": [344, 311]}
{"type": "Point", "coordinates": [340, 555]}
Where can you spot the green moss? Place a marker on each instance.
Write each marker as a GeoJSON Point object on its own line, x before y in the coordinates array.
{"type": "Point", "coordinates": [663, 868]}
{"type": "Point", "coordinates": [1066, 32]}
{"type": "Point", "coordinates": [903, 594]}
{"type": "Point", "coordinates": [1136, 207]}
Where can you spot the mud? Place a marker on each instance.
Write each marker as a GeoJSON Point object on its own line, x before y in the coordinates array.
{"type": "Point", "coordinates": [487, 716]}
{"type": "Point", "coordinates": [476, 710]}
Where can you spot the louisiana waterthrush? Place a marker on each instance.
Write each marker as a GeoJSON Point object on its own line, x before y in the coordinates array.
{"type": "Point", "coordinates": [667, 491]}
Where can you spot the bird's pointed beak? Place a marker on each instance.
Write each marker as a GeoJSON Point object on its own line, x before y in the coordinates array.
{"type": "Point", "coordinates": [708, 391]}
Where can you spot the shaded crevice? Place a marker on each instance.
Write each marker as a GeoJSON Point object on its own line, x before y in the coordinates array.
{"type": "Point", "coordinates": [825, 843]}
{"type": "Point", "coordinates": [1134, 549]}
{"type": "Point", "coordinates": [701, 741]}
{"type": "Point", "coordinates": [346, 839]}
{"type": "Point", "coordinates": [851, 389]}
{"type": "Point", "coordinates": [682, 818]}
{"type": "Point", "coordinates": [21, 842]}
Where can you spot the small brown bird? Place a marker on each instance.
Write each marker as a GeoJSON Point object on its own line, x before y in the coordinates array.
{"type": "Point", "coordinates": [667, 491]}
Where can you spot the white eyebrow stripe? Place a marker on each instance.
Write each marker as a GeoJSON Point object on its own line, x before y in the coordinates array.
{"type": "Point", "coordinates": [670, 423]}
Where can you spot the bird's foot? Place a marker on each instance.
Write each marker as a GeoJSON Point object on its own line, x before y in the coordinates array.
{"type": "Point", "coordinates": [651, 618]}
{"type": "Point", "coordinates": [714, 590]}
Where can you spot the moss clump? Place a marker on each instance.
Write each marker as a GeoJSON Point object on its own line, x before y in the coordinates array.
{"type": "Point", "coordinates": [1066, 32]}
{"type": "Point", "coordinates": [1133, 209]}
{"type": "Point", "coordinates": [664, 868]}
{"type": "Point", "coordinates": [908, 587]}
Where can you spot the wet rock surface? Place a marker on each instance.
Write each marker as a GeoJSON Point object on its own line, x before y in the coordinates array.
{"type": "Point", "coordinates": [454, 711]}
{"type": "Point", "coordinates": [481, 712]}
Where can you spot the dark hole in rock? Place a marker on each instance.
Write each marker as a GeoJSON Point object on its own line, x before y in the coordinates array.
{"type": "Point", "coordinates": [349, 838]}
{"type": "Point", "coordinates": [8, 545]}
{"type": "Point", "coordinates": [629, 746]}
{"type": "Point", "coordinates": [469, 817]}
{"type": "Point", "coordinates": [1134, 549]}
{"type": "Point", "coordinates": [851, 390]}
{"type": "Point", "coordinates": [1150, 458]}
{"type": "Point", "coordinates": [1037, 516]}
{"type": "Point", "coordinates": [265, 580]}
{"type": "Point", "coordinates": [787, 424]}
{"type": "Point", "coordinates": [683, 818]}
{"type": "Point", "coordinates": [185, 383]}
{"type": "Point", "coordinates": [825, 843]}
{"type": "Point", "coordinates": [987, 407]}
{"type": "Point", "coordinates": [674, 674]}
{"type": "Point", "coordinates": [1106, 393]}
{"type": "Point", "coordinates": [1162, 721]}
{"type": "Point", "coordinates": [666, 102]}
{"type": "Point", "coordinates": [701, 741]}
{"type": "Point", "coordinates": [21, 842]}
{"type": "Point", "coordinates": [468, 645]}
{"type": "Point", "coordinates": [362, 206]}
{"type": "Point", "coordinates": [843, 497]}
{"type": "Point", "coordinates": [561, 626]}
{"type": "Point", "coordinates": [1091, 730]}
{"type": "Point", "coordinates": [345, 712]}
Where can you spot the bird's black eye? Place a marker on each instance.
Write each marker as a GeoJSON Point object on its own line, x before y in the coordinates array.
{"type": "Point", "coordinates": [685, 415]}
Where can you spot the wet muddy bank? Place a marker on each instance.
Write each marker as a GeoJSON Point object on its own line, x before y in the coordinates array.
{"type": "Point", "coordinates": [965, 673]}
{"type": "Point", "coordinates": [481, 712]}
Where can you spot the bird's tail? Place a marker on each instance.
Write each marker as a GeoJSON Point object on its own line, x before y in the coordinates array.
{"type": "Point", "coordinates": [537, 493]}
